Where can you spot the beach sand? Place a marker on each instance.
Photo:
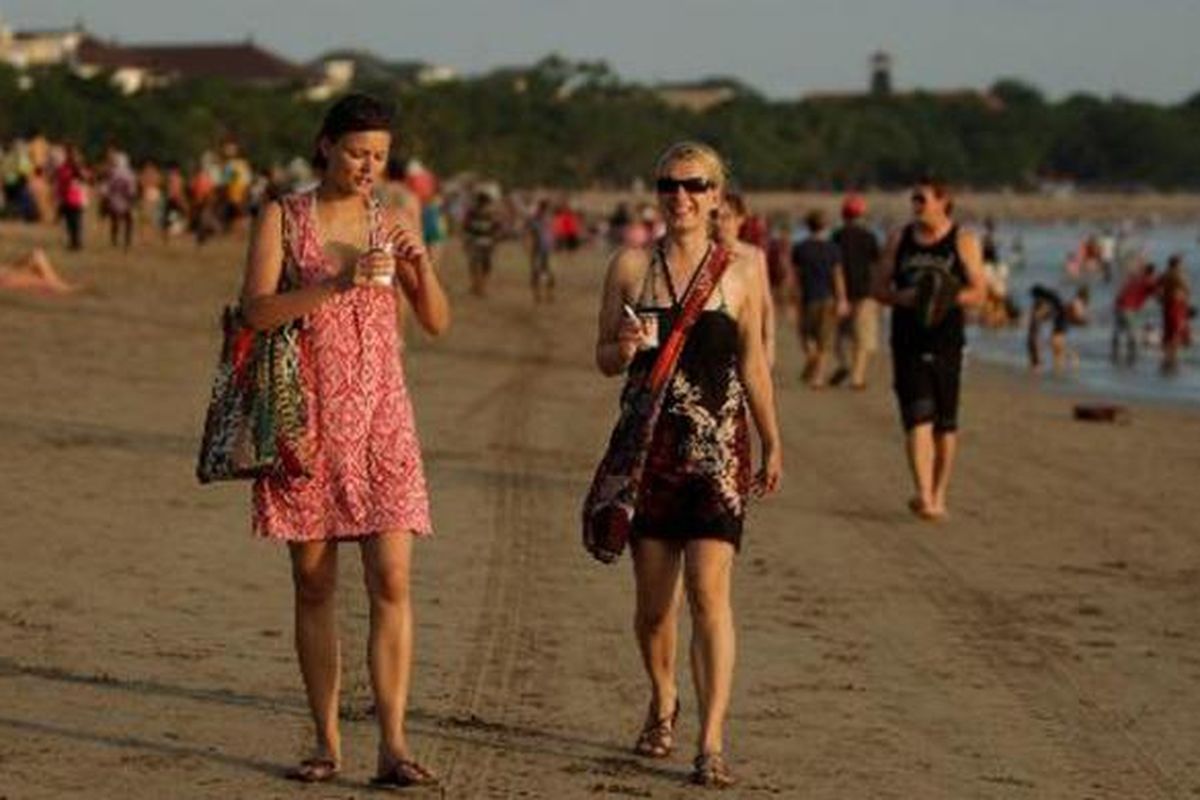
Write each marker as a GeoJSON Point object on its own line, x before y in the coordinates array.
{"type": "Point", "coordinates": [1043, 643]}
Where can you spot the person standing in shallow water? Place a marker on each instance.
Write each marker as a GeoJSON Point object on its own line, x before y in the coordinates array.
{"type": "Point", "coordinates": [927, 358]}
{"type": "Point", "coordinates": [687, 524]}
{"type": "Point", "coordinates": [354, 260]}
{"type": "Point", "coordinates": [1175, 296]}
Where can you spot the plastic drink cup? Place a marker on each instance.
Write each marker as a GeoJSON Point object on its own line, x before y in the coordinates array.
{"type": "Point", "coordinates": [384, 279]}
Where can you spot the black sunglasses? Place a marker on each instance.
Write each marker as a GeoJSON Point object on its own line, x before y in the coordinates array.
{"type": "Point", "coordinates": [689, 185]}
{"type": "Point", "coordinates": [919, 198]}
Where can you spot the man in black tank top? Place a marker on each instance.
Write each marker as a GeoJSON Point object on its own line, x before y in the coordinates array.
{"type": "Point", "coordinates": [930, 255]}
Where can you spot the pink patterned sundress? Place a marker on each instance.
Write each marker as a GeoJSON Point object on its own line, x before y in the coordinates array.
{"type": "Point", "coordinates": [368, 477]}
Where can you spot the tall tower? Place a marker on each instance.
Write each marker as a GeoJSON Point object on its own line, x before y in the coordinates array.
{"type": "Point", "coordinates": [881, 73]}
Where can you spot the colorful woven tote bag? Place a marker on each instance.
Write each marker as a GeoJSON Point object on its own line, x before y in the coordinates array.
{"type": "Point", "coordinates": [257, 420]}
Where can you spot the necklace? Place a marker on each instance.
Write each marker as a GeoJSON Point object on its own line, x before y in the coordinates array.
{"type": "Point", "coordinates": [676, 297]}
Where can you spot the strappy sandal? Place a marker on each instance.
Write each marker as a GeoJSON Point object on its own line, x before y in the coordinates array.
{"type": "Point", "coordinates": [711, 771]}
{"type": "Point", "coordinates": [318, 769]}
{"type": "Point", "coordinates": [402, 774]}
{"type": "Point", "coordinates": [657, 738]}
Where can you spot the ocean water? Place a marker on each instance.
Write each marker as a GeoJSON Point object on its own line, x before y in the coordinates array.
{"type": "Point", "coordinates": [1046, 248]}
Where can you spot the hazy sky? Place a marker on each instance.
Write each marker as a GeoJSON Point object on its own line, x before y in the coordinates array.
{"type": "Point", "coordinates": [1146, 48]}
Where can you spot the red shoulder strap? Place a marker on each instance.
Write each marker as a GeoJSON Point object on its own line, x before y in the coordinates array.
{"type": "Point", "coordinates": [693, 303]}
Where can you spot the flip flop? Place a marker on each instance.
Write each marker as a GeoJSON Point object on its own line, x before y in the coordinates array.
{"type": "Point", "coordinates": [318, 769]}
{"type": "Point", "coordinates": [402, 774]}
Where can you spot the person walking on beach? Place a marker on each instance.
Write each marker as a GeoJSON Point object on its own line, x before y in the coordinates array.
{"type": "Point", "coordinates": [820, 296]}
{"type": "Point", "coordinates": [353, 260]}
{"type": "Point", "coordinates": [203, 199]}
{"type": "Point", "coordinates": [120, 192]}
{"type": "Point", "coordinates": [859, 254]}
{"type": "Point", "coordinates": [731, 225]}
{"type": "Point", "coordinates": [1175, 296]}
{"type": "Point", "coordinates": [930, 272]}
{"type": "Point", "coordinates": [539, 235]}
{"type": "Point", "coordinates": [481, 231]}
{"type": "Point", "coordinates": [1137, 289]}
{"type": "Point", "coordinates": [175, 203]}
{"type": "Point", "coordinates": [688, 521]}
{"type": "Point", "coordinates": [70, 181]}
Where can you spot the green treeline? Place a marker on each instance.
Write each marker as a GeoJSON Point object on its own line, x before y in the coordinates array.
{"type": "Point", "coordinates": [575, 125]}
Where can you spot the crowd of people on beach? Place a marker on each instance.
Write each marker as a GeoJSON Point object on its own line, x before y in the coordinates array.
{"type": "Point", "coordinates": [1137, 282]}
{"type": "Point", "coordinates": [697, 284]}
{"type": "Point", "coordinates": [52, 181]}
{"type": "Point", "coordinates": [220, 191]}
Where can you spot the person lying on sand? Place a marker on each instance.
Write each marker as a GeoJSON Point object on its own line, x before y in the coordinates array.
{"type": "Point", "coordinates": [34, 272]}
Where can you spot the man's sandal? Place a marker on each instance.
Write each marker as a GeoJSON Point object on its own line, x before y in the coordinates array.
{"type": "Point", "coordinates": [711, 771]}
{"type": "Point", "coordinates": [657, 738]}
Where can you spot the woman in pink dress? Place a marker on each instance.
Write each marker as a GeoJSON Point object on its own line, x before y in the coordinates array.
{"type": "Point", "coordinates": [353, 260]}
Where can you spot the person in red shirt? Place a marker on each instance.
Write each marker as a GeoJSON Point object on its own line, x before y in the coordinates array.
{"type": "Point", "coordinates": [70, 180]}
{"type": "Point", "coordinates": [1138, 288]}
{"type": "Point", "coordinates": [568, 230]}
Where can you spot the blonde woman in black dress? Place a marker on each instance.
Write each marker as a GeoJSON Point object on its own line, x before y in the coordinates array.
{"type": "Point", "coordinates": [688, 522]}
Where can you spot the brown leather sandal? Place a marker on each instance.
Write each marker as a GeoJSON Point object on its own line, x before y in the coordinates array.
{"type": "Point", "coordinates": [402, 774]}
{"type": "Point", "coordinates": [711, 771]}
{"type": "Point", "coordinates": [318, 769]}
{"type": "Point", "coordinates": [657, 738]}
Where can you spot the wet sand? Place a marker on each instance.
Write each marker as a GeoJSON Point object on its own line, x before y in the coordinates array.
{"type": "Point", "coordinates": [1043, 643]}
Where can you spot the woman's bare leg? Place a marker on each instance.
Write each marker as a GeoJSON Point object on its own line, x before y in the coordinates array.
{"type": "Point", "coordinates": [656, 570]}
{"type": "Point", "coordinates": [708, 577]}
{"type": "Point", "coordinates": [314, 574]}
{"type": "Point", "coordinates": [386, 565]}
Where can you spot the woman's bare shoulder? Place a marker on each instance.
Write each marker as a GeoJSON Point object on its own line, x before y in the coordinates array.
{"type": "Point", "coordinates": [746, 261]}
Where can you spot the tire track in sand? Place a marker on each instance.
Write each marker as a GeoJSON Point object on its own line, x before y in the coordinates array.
{"type": "Point", "coordinates": [488, 677]}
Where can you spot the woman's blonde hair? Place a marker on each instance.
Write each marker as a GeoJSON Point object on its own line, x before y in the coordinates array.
{"type": "Point", "coordinates": [697, 152]}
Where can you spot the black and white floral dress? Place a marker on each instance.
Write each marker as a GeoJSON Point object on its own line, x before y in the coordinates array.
{"type": "Point", "coordinates": [697, 475]}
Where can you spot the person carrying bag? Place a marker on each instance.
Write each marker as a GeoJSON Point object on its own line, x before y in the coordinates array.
{"type": "Point", "coordinates": [611, 502]}
{"type": "Point", "coordinates": [257, 419]}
